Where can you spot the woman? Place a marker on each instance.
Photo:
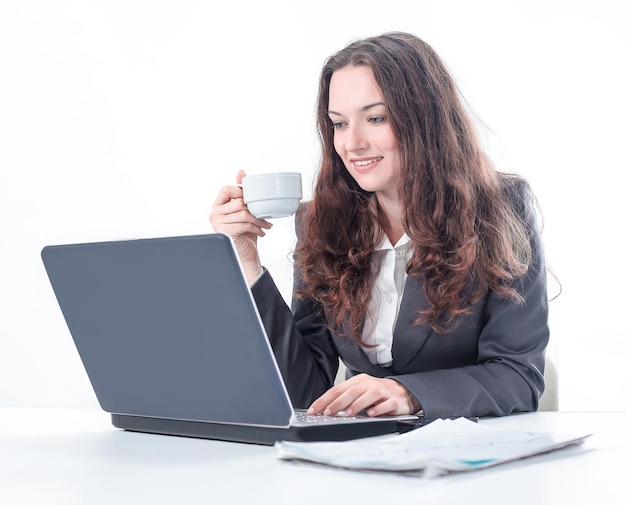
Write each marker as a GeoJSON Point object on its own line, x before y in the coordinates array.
{"type": "Point", "coordinates": [417, 263]}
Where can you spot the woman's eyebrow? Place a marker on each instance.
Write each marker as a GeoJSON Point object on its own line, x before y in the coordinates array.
{"type": "Point", "coordinates": [363, 109]}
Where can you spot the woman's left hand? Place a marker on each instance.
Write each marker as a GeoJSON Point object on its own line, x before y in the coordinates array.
{"type": "Point", "coordinates": [364, 392]}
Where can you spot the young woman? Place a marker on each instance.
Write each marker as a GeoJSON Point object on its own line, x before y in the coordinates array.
{"type": "Point", "coordinates": [417, 263]}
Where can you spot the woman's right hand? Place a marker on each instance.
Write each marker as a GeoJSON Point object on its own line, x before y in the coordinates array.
{"type": "Point", "coordinates": [230, 215]}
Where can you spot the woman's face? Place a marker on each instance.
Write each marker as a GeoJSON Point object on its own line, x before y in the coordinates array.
{"type": "Point", "coordinates": [363, 137]}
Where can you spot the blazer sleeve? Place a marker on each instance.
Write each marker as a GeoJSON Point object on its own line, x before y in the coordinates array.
{"type": "Point", "coordinates": [507, 375]}
{"type": "Point", "coordinates": [304, 350]}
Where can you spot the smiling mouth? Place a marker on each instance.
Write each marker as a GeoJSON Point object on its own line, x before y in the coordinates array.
{"type": "Point", "coordinates": [364, 163]}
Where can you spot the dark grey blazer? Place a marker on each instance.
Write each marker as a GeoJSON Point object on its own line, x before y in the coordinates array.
{"type": "Point", "coordinates": [491, 364]}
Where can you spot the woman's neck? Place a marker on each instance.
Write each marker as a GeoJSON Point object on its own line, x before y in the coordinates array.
{"type": "Point", "coordinates": [392, 223]}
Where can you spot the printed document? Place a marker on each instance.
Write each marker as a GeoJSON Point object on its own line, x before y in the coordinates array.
{"type": "Point", "coordinates": [443, 446]}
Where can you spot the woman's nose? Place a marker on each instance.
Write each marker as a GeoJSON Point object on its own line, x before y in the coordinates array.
{"type": "Point", "coordinates": [356, 139]}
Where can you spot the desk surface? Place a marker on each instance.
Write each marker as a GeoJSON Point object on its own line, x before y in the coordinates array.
{"type": "Point", "coordinates": [78, 457]}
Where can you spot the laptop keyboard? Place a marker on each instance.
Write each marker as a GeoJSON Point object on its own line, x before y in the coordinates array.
{"type": "Point", "coordinates": [302, 416]}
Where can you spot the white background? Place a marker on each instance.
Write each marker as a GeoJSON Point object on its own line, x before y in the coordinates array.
{"type": "Point", "coordinates": [122, 119]}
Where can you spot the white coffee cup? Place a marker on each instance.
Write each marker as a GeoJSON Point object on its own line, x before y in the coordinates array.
{"type": "Point", "coordinates": [272, 195]}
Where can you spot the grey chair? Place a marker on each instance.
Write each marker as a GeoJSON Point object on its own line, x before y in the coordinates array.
{"type": "Point", "coordinates": [550, 398]}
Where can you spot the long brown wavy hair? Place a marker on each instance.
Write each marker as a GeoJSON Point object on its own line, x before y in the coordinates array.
{"type": "Point", "coordinates": [467, 238]}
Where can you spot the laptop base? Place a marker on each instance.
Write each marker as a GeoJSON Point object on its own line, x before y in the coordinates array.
{"type": "Point", "coordinates": [250, 434]}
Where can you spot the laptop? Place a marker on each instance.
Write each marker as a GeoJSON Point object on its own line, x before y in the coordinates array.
{"type": "Point", "coordinates": [172, 343]}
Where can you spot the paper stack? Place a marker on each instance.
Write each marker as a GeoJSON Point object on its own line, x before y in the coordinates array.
{"type": "Point", "coordinates": [443, 446]}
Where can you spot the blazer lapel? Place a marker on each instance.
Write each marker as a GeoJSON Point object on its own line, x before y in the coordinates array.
{"type": "Point", "coordinates": [408, 339]}
{"type": "Point", "coordinates": [355, 358]}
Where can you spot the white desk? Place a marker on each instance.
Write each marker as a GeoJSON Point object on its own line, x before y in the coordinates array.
{"type": "Point", "coordinates": [77, 457]}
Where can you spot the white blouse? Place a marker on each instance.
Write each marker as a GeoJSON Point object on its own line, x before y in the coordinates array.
{"type": "Point", "coordinates": [389, 266]}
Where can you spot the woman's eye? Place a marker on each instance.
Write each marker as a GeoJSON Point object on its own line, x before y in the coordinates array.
{"type": "Point", "coordinates": [377, 119]}
{"type": "Point", "coordinates": [339, 125]}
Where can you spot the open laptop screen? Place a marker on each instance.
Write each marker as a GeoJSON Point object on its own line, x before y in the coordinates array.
{"type": "Point", "coordinates": [167, 328]}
